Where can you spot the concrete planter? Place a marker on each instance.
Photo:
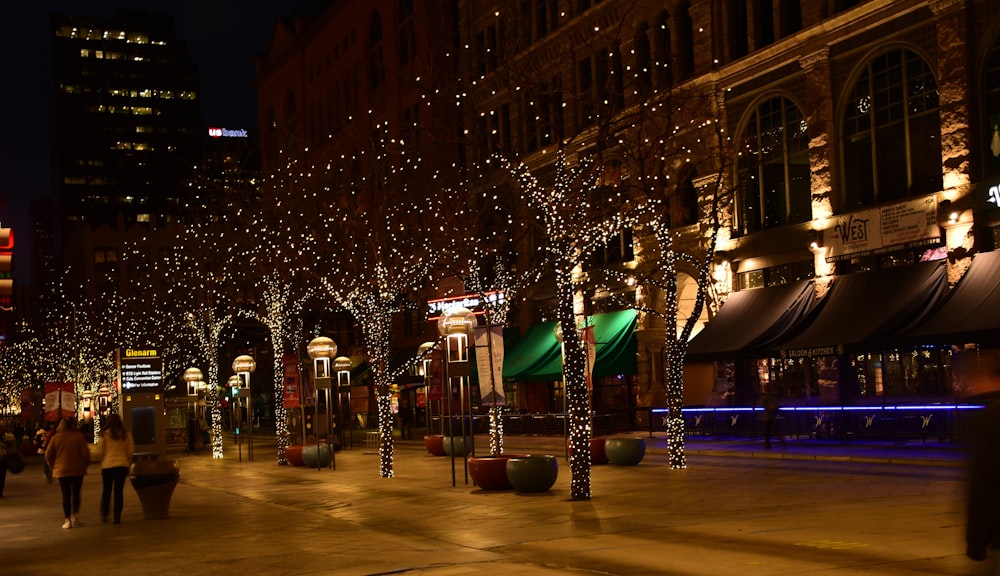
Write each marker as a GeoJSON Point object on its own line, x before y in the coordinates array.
{"type": "Point", "coordinates": [532, 473]}
{"type": "Point", "coordinates": [625, 451]}
{"type": "Point", "coordinates": [434, 444]}
{"type": "Point", "coordinates": [154, 481]}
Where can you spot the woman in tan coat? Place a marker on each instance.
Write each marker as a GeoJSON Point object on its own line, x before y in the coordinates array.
{"type": "Point", "coordinates": [69, 456]}
{"type": "Point", "coordinates": [116, 449]}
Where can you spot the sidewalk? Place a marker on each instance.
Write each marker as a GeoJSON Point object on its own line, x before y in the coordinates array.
{"type": "Point", "coordinates": [736, 509]}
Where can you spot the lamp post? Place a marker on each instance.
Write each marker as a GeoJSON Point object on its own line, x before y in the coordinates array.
{"type": "Point", "coordinates": [243, 365]}
{"type": "Point", "coordinates": [191, 377]}
{"type": "Point", "coordinates": [233, 383]}
{"type": "Point", "coordinates": [342, 366]}
{"type": "Point", "coordinates": [424, 352]}
{"type": "Point", "coordinates": [322, 350]}
{"type": "Point", "coordinates": [456, 324]}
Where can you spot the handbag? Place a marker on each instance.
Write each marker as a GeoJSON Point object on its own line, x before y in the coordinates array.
{"type": "Point", "coordinates": [14, 463]}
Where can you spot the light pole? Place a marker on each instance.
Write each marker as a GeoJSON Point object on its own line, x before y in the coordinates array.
{"type": "Point", "coordinates": [424, 352]}
{"type": "Point", "coordinates": [457, 325]}
{"type": "Point", "coordinates": [192, 376]}
{"type": "Point", "coordinates": [235, 412]}
{"type": "Point", "coordinates": [322, 350]}
{"type": "Point", "coordinates": [243, 365]}
{"type": "Point", "coordinates": [342, 366]}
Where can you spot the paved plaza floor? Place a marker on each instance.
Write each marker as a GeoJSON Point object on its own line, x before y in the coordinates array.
{"type": "Point", "coordinates": [803, 508]}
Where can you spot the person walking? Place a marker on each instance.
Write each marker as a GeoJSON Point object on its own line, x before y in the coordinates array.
{"type": "Point", "coordinates": [68, 456]}
{"type": "Point", "coordinates": [7, 449]}
{"type": "Point", "coordinates": [115, 449]}
{"type": "Point", "coordinates": [770, 417]}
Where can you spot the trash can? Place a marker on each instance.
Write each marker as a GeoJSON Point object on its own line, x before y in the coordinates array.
{"type": "Point", "coordinates": [154, 480]}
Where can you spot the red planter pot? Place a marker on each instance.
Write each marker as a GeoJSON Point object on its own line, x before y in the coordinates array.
{"type": "Point", "coordinates": [597, 453]}
{"type": "Point", "coordinates": [490, 472]}
{"type": "Point", "coordinates": [294, 455]}
{"type": "Point", "coordinates": [434, 444]}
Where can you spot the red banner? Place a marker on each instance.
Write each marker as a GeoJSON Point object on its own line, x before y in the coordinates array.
{"type": "Point", "coordinates": [435, 389]}
{"type": "Point", "coordinates": [27, 405]}
{"type": "Point", "coordinates": [60, 401]}
{"type": "Point", "coordinates": [291, 388]}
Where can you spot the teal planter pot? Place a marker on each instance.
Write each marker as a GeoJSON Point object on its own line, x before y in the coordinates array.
{"type": "Point", "coordinates": [532, 473]}
{"type": "Point", "coordinates": [459, 445]}
{"type": "Point", "coordinates": [625, 451]}
{"type": "Point", "coordinates": [316, 456]}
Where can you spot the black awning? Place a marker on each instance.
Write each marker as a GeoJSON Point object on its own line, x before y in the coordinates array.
{"type": "Point", "coordinates": [970, 313]}
{"type": "Point", "coordinates": [752, 319]}
{"type": "Point", "coordinates": [862, 309]}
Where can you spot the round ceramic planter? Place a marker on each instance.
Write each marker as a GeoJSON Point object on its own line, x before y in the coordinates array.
{"type": "Point", "coordinates": [459, 445]}
{"type": "Point", "coordinates": [625, 451]}
{"type": "Point", "coordinates": [434, 444]}
{"type": "Point", "coordinates": [532, 473]}
{"type": "Point", "coordinates": [294, 455]}
{"type": "Point", "coordinates": [315, 456]}
{"type": "Point", "coordinates": [490, 472]}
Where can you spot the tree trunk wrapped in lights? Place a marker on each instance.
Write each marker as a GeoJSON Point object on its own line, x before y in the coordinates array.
{"type": "Point", "coordinates": [577, 216]}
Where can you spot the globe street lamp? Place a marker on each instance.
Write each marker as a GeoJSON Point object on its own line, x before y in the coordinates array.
{"type": "Point", "coordinates": [243, 365]}
{"type": "Point", "coordinates": [342, 366]}
{"type": "Point", "coordinates": [457, 324]}
{"type": "Point", "coordinates": [322, 350]}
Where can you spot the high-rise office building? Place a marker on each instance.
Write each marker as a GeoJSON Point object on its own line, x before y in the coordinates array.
{"type": "Point", "coordinates": [127, 131]}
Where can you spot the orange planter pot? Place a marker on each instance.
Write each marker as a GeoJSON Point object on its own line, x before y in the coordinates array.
{"type": "Point", "coordinates": [434, 444]}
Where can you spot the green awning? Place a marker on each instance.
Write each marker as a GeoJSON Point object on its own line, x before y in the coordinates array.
{"type": "Point", "coordinates": [614, 334]}
{"type": "Point", "coordinates": [538, 356]}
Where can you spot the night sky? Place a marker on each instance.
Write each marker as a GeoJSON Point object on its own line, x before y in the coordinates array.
{"type": "Point", "coordinates": [224, 36]}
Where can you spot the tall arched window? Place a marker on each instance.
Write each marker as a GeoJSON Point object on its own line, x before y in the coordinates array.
{"type": "Point", "coordinates": [376, 62]}
{"type": "Point", "coordinates": [663, 57]}
{"type": "Point", "coordinates": [643, 58]}
{"type": "Point", "coordinates": [991, 127]}
{"type": "Point", "coordinates": [892, 132]}
{"type": "Point", "coordinates": [773, 167]}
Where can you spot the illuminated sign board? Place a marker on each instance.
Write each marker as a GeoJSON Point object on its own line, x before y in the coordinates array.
{"type": "Point", "coordinates": [470, 301]}
{"type": "Point", "coordinates": [911, 224]}
{"type": "Point", "coordinates": [226, 133]}
{"type": "Point", "coordinates": [141, 371]}
{"type": "Point", "coordinates": [993, 195]}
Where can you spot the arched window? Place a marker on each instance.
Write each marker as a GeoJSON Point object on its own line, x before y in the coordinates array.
{"type": "Point", "coordinates": [892, 132]}
{"type": "Point", "coordinates": [376, 66]}
{"type": "Point", "coordinates": [291, 121]}
{"type": "Point", "coordinates": [643, 58]}
{"type": "Point", "coordinates": [773, 167]}
{"type": "Point", "coordinates": [684, 202]}
{"type": "Point", "coordinates": [685, 41]}
{"type": "Point", "coordinates": [663, 64]}
{"type": "Point", "coordinates": [991, 129]}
